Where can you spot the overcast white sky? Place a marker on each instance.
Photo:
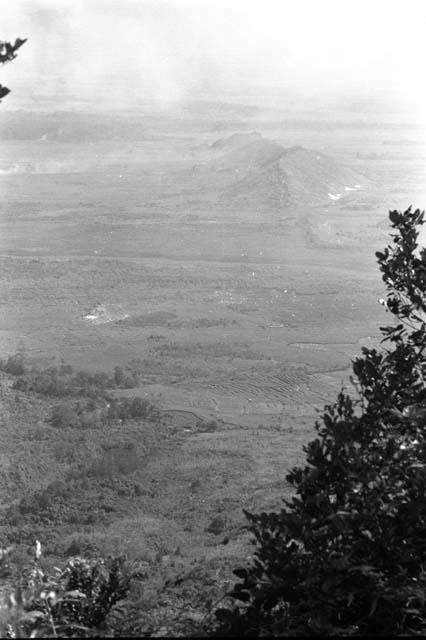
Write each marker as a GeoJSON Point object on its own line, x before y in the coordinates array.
{"type": "Point", "coordinates": [124, 51]}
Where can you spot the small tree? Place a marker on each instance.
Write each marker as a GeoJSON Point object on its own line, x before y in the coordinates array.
{"type": "Point", "coordinates": [118, 376]}
{"type": "Point", "coordinates": [347, 554]}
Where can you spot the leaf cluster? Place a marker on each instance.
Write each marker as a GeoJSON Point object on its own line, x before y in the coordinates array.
{"type": "Point", "coordinates": [73, 601]}
{"type": "Point", "coordinates": [7, 54]}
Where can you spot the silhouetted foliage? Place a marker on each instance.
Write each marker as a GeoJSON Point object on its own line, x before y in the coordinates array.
{"type": "Point", "coordinates": [7, 54]}
{"type": "Point", "coordinates": [347, 554]}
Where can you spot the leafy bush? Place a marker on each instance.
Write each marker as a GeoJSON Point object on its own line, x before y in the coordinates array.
{"type": "Point", "coordinates": [130, 408]}
{"type": "Point", "coordinates": [347, 554]}
{"type": "Point", "coordinates": [118, 376]}
{"type": "Point", "coordinates": [72, 602]}
{"type": "Point", "coordinates": [118, 458]}
{"type": "Point", "coordinates": [83, 415]}
{"type": "Point", "coordinates": [14, 365]}
{"type": "Point", "coordinates": [64, 417]}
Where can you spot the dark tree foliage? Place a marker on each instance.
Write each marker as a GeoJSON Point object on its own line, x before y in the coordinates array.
{"type": "Point", "coordinates": [7, 54]}
{"type": "Point", "coordinates": [347, 554]}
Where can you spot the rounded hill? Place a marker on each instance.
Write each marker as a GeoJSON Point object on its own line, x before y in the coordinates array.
{"type": "Point", "coordinates": [250, 170]}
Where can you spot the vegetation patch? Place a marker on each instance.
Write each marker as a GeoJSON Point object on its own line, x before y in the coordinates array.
{"type": "Point", "coordinates": [62, 381]}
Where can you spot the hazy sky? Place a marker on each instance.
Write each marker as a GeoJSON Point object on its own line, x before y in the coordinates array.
{"type": "Point", "coordinates": [127, 51]}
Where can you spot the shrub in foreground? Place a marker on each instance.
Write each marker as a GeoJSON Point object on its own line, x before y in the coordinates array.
{"type": "Point", "coordinates": [72, 602]}
{"type": "Point", "coordinates": [347, 554]}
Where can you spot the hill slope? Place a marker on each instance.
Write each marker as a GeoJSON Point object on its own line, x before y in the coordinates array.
{"type": "Point", "coordinates": [257, 173]}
